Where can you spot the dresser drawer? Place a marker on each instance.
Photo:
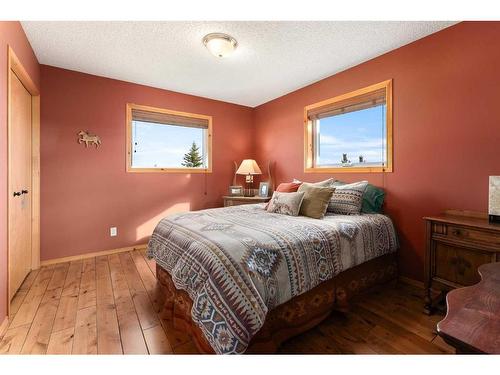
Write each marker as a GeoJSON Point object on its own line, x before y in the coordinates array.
{"type": "Point", "coordinates": [459, 265]}
{"type": "Point", "coordinates": [472, 235]}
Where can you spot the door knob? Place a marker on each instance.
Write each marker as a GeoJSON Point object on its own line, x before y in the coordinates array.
{"type": "Point", "coordinates": [17, 193]}
{"type": "Point", "coordinates": [24, 191]}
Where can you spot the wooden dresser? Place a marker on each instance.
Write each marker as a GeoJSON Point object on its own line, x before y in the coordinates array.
{"type": "Point", "coordinates": [457, 243]}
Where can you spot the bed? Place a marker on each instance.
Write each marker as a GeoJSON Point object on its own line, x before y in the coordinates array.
{"type": "Point", "coordinates": [241, 279]}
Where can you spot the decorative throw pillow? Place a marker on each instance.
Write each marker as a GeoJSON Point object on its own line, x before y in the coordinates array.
{"type": "Point", "coordinates": [288, 187]}
{"type": "Point", "coordinates": [316, 200]}
{"type": "Point", "coordinates": [348, 199]}
{"type": "Point", "coordinates": [325, 183]}
{"type": "Point", "coordinates": [373, 198]}
{"type": "Point", "coordinates": [285, 203]}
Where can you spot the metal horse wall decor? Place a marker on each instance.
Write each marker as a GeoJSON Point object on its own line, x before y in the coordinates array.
{"type": "Point", "coordinates": [89, 139]}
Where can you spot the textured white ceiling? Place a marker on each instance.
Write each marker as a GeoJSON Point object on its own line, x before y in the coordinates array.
{"type": "Point", "coordinates": [272, 59]}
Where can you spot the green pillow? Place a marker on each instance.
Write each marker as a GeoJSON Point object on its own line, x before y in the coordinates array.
{"type": "Point", "coordinates": [373, 198]}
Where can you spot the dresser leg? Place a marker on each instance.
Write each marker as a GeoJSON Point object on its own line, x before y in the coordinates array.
{"type": "Point", "coordinates": [428, 308]}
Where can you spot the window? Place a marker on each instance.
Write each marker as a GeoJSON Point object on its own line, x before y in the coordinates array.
{"type": "Point", "coordinates": [351, 132]}
{"type": "Point", "coordinates": [160, 140]}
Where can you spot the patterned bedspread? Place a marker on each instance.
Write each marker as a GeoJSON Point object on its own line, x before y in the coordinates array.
{"type": "Point", "coordinates": [237, 263]}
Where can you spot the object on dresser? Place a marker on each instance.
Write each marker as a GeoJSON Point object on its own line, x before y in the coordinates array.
{"type": "Point", "coordinates": [249, 168]}
{"type": "Point", "coordinates": [494, 200]}
{"type": "Point", "coordinates": [457, 243]}
{"type": "Point", "coordinates": [236, 190]}
{"type": "Point", "coordinates": [471, 323]}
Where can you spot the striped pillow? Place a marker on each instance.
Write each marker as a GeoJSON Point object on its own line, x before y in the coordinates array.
{"type": "Point", "coordinates": [348, 199]}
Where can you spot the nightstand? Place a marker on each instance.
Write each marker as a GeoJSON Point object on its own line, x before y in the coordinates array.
{"type": "Point", "coordinates": [458, 242]}
{"type": "Point", "coordinates": [233, 200]}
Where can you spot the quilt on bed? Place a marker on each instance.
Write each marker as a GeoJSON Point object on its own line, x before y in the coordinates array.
{"type": "Point", "coordinates": [237, 263]}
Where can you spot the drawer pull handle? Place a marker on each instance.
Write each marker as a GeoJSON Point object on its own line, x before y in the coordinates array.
{"type": "Point", "coordinates": [456, 232]}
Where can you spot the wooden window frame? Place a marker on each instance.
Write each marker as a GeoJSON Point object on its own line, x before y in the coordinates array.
{"type": "Point", "coordinates": [309, 136]}
{"type": "Point", "coordinates": [208, 141]}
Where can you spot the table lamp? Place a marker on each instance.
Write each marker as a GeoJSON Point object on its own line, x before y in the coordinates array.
{"type": "Point", "coordinates": [249, 168]}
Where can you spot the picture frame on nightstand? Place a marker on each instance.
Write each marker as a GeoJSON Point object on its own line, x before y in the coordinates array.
{"type": "Point", "coordinates": [236, 190]}
{"type": "Point", "coordinates": [264, 189]}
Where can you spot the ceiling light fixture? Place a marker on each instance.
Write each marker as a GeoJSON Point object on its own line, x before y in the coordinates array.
{"type": "Point", "coordinates": [220, 45]}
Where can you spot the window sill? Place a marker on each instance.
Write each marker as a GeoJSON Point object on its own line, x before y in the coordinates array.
{"type": "Point", "coordinates": [349, 170]}
{"type": "Point", "coordinates": [169, 170]}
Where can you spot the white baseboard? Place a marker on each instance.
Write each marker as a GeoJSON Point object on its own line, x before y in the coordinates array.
{"type": "Point", "coordinates": [91, 255]}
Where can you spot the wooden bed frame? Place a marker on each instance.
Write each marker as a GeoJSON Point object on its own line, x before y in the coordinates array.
{"type": "Point", "coordinates": [298, 315]}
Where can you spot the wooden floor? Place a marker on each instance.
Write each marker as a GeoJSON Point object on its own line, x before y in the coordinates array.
{"type": "Point", "coordinates": [110, 305]}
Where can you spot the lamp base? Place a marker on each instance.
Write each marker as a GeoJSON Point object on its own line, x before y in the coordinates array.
{"type": "Point", "coordinates": [248, 192]}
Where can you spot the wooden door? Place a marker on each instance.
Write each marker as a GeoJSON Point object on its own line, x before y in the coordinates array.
{"type": "Point", "coordinates": [20, 210]}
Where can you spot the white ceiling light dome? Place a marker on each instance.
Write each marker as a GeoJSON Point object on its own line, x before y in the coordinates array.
{"type": "Point", "coordinates": [219, 44]}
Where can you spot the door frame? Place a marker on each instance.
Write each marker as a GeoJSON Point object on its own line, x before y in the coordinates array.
{"type": "Point", "coordinates": [14, 66]}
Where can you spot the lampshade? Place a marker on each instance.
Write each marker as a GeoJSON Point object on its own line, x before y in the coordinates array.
{"type": "Point", "coordinates": [248, 166]}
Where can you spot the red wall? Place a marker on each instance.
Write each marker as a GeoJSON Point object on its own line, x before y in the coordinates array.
{"type": "Point", "coordinates": [11, 34]}
{"type": "Point", "coordinates": [84, 192]}
{"type": "Point", "coordinates": [446, 127]}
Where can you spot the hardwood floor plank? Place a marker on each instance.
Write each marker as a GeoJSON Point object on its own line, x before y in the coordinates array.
{"type": "Point", "coordinates": [29, 307]}
{"type": "Point", "coordinates": [157, 340]}
{"type": "Point", "coordinates": [409, 300]}
{"type": "Point", "coordinates": [85, 340]}
{"type": "Point", "coordinates": [438, 341]}
{"type": "Point", "coordinates": [398, 315]}
{"type": "Point", "coordinates": [87, 292]}
{"type": "Point", "coordinates": [13, 340]}
{"type": "Point", "coordinates": [145, 311]}
{"type": "Point", "coordinates": [349, 342]}
{"type": "Point", "coordinates": [16, 302]}
{"type": "Point", "coordinates": [61, 342]}
{"type": "Point", "coordinates": [39, 334]}
{"type": "Point", "coordinates": [149, 280]}
{"type": "Point", "coordinates": [68, 304]}
{"type": "Point", "coordinates": [151, 262]}
{"type": "Point", "coordinates": [363, 329]}
{"type": "Point", "coordinates": [21, 294]}
{"type": "Point", "coordinates": [410, 342]}
{"type": "Point", "coordinates": [130, 329]}
{"type": "Point", "coordinates": [108, 334]}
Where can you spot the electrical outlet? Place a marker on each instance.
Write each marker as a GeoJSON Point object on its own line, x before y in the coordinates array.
{"type": "Point", "coordinates": [113, 231]}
